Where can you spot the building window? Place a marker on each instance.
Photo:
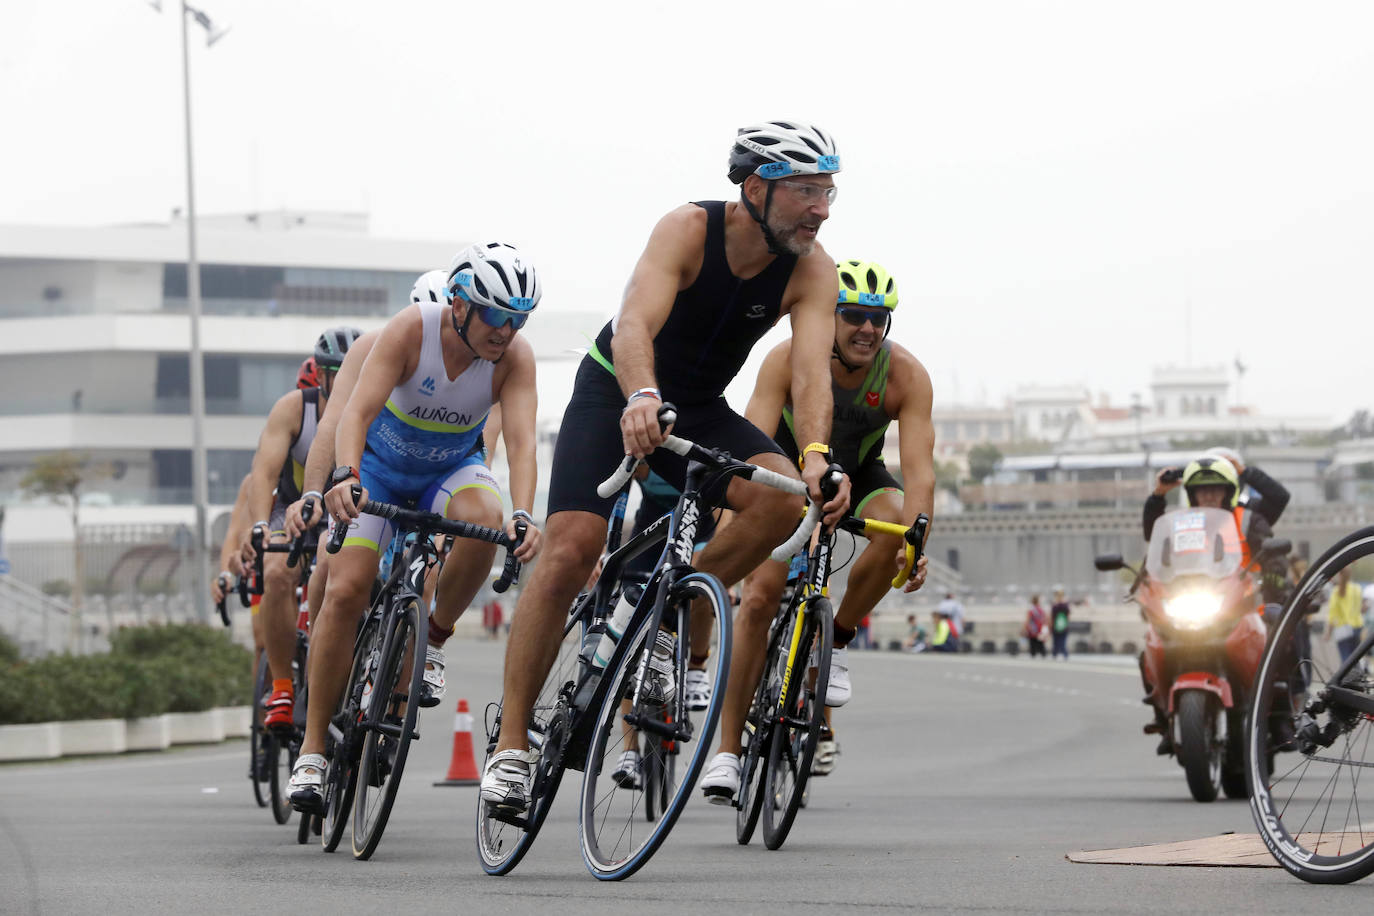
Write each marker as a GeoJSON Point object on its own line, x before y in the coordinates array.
{"type": "Point", "coordinates": [1212, 406]}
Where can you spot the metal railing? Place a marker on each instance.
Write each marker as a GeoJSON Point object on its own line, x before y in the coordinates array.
{"type": "Point", "coordinates": [39, 624]}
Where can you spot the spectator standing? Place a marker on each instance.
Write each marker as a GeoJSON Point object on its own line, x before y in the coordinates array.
{"type": "Point", "coordinates": [944, 640]}
{"type": "Point", "coordinates": [953, 612]}
{"type": "Point", "coordinates": [863, 637]}
{"type": "Point", "coordinates": [1037, 622]}
{"type": "Point", "coordinates": [1344, 621]}
{"type": "Point", "coordinates": [1059, 625]}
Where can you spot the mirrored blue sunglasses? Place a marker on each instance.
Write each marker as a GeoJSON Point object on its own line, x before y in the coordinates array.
{"type": "Point", "coordinates": [496, 318]}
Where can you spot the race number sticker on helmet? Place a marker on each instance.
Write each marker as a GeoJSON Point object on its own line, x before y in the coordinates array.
{"type": "Point", "coordinates": [780, 149]}
{"type": "Point", "coordinates": [494, 274]}
{"type": "Point", "coordinates": [866, 283]}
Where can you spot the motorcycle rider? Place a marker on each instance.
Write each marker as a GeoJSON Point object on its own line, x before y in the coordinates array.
{"type": "Point", "coordinates": [1258, 490]}
{"type": "Point", "coordinates": [1210, 482]}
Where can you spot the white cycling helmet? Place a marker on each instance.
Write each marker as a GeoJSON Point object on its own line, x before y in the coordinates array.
{"type": "Point", "coordinates": [494, 274]}
{"type": "Point", "coordinates": [777, 149]}
{"type": "Point", "coordinates": [432, 286]}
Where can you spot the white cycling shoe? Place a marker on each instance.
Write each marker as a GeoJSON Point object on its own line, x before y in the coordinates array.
{"type": "Point", "coordinates": [721, 781]}
{"type": "Point", "coordinates": [506, 780]}
{"type": "Point", "coordinates": [306, 788]}
{"type": "Point", "coordinates": [838, 690]}
{"type": "Point", "coordinates": [697, 685]}
{"type": "Point", "coordinates": [626, 772]}
{"type": "Point", "coordinates": [432, 690]}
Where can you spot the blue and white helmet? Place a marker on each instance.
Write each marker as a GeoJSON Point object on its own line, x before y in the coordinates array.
{"type": "Point", "coordinates": [494, 274]}
{"type": "Point", "coordinates": [432, 286]}
{"type": "Point", "coordinates": [777, 149]}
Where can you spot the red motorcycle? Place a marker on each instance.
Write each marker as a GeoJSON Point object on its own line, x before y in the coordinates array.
{"type": "Point", "coordinates": [1205, 641]}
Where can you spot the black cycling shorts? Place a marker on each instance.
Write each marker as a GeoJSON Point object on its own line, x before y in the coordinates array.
{"type": "Point", "coordinates": [871, 478]}
{"type": "Point", "coordinates": [590, 446]}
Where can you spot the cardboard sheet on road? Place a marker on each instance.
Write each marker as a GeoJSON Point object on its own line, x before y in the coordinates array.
{"type": "Point", "coordinates": [1244, 850]}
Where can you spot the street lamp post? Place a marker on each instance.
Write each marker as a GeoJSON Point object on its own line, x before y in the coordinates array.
{"type": "Point", "coordinates": [199, 465]}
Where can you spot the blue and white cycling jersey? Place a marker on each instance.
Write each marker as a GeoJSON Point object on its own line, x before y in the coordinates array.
{"type": "Point", "coordinates": [426, 443]}
{"type": "Point", "coordinates": [430, 423]}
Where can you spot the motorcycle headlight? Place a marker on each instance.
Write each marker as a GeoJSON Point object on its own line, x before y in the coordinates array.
{"type": "Point", "coordinates": [1193, 611]}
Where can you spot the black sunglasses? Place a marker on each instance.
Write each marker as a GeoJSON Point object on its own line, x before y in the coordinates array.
{"type": "Point", "coordinates": [857, 316]}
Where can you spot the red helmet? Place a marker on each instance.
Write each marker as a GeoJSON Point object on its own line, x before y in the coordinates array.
{"type": "Point", "coordinates": [309, 377]}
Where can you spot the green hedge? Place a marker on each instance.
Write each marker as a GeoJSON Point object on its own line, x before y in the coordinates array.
{"type": "Point", "coordinates": [148, 671]}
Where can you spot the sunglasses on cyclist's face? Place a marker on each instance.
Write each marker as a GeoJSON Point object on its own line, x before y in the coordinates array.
{"type": "Point", "coordinates": [857, 316]}
{"type": "Point", "coordinates": [497, 318]}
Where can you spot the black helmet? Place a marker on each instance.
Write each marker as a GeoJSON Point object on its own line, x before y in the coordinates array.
{"type": "Point", "coordinates": [333, 345]}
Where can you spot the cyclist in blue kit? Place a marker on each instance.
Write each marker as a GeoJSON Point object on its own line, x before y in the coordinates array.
{"type": "Point", "coordinates": [411, 434]}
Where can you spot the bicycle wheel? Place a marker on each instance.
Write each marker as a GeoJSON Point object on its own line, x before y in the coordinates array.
{"type": "Point", "coordinates": [503, 841]}
{"type": "Point", "coordinates": [616, 841]}
{"type": "Point", "coordinates": [758, 728]}
{"type": "Point", "coordinates": [1310, 810]}
{"type": "Point", "coordinates": [308, 823]}
{"type": "Point", "coordinates": [343, 746]}
{"type": "Point", "coordinates": [659, 770]}
{"type": "Point", "coordinates": [391, 711]}
{"type": "Point", "coordinates": [259, 767]}
{"type": "Point", "coordinates": [281, 757]}
{"type": "Point", "coordinates": [797, 729]}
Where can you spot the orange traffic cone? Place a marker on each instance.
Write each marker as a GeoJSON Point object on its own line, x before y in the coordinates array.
{"type": "Point", "coordinates": [462, 768]}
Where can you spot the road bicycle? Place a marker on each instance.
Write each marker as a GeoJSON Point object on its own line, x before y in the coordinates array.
{"type": "Point", "coordinates": [600, 694]}
{"type": "Point", "coordinates": [1310, 734]}
{"type": "Point", "coordinates": [786, 717]}
{"type": "Point", "coordinates": [370, 734]}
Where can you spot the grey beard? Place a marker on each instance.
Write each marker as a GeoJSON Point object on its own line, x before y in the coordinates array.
{"type": "Point", "coordinates": [787, 240]}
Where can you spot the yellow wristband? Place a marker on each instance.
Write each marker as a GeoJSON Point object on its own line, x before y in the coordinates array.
{"type": "Point", "coordinates": [813, 447]}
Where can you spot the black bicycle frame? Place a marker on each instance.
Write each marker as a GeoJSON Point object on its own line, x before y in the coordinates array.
{"type": "Point", "coordinates": [677, 531]}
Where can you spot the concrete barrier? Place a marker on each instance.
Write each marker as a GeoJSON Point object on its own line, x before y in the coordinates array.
{"type": "Point", "coordinates": [196, 727]}
{"type": "Point", "coordinates": [93, 736]}
{"type": "Point", "coordinates": [150, 733]}
{"type": "Point", "coordinates": [238, 721]}
{"type": "Point", "coordinates": [42, 741]}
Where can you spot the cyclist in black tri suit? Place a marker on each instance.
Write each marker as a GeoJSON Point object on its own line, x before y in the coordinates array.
{"type": "Point", "coordinates": [714, 277]}
{"type": "Point", "coordinates": [278, 469]}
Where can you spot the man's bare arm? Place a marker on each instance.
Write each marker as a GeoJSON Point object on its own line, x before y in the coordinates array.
{"type": "Point", "coordinates": [381, 372]}
{"type": "Point", "coordinates": [274, 444]}
{"type": "Point", "coordinates": [770, 390]}
{"type": "Point", "coordinates": [321, 458]}
{"type": "Point", "coordinates": [659, 275]}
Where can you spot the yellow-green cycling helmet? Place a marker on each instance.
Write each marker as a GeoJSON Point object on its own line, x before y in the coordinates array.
{"type": "Point", "coordinates": [866, 283]}
{"type": "Point", "coordinates": [1212, 471]}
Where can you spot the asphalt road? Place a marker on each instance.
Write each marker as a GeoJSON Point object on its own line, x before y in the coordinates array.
{"type": "Point", "coordinates": [962, 785]}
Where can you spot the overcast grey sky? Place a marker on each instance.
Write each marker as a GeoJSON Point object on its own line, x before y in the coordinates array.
{"type": "Point", "coordinates": [1052, 183]}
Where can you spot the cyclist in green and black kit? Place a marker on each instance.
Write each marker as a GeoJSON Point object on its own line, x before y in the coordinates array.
{"type": "Point", "coordinates": [874, 382]}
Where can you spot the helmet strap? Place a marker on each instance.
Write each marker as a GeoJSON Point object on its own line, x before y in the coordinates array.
{"type": "Point", "coordinates": [835, 354]}
{"type": "Point", "coordinates": [768, 237]}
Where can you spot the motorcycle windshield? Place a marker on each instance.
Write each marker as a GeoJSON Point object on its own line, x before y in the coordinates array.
{"type": "Point", "coordinates": [1194, 542]}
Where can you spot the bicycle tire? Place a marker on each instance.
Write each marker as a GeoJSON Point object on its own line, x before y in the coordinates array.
{"type": "Point", "coordinates": [281, 757]}
{"type": "Point", "coordinates": [257, 737]}
{"type": "Point", "coordinates": [758, 730]}
{"type": "Point", "coordinates": [796, 735]}
{"type": "Point", "coordinates": [342, 754]}
{"type": "Point", "coordinates": [660, 775]}
{"type": "Point", "coordinates": [283, 750]}
{"type": "Point", "coordinates": [614, 842]}
{"type": "Point", "coordinates": [501, 844]}
{"type": "Point", "coordinates": [1293, 804]}
{"type": "Point", "coordinates": [303, 828]}
{"type": "Point", "coordinates": [400, 710]}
